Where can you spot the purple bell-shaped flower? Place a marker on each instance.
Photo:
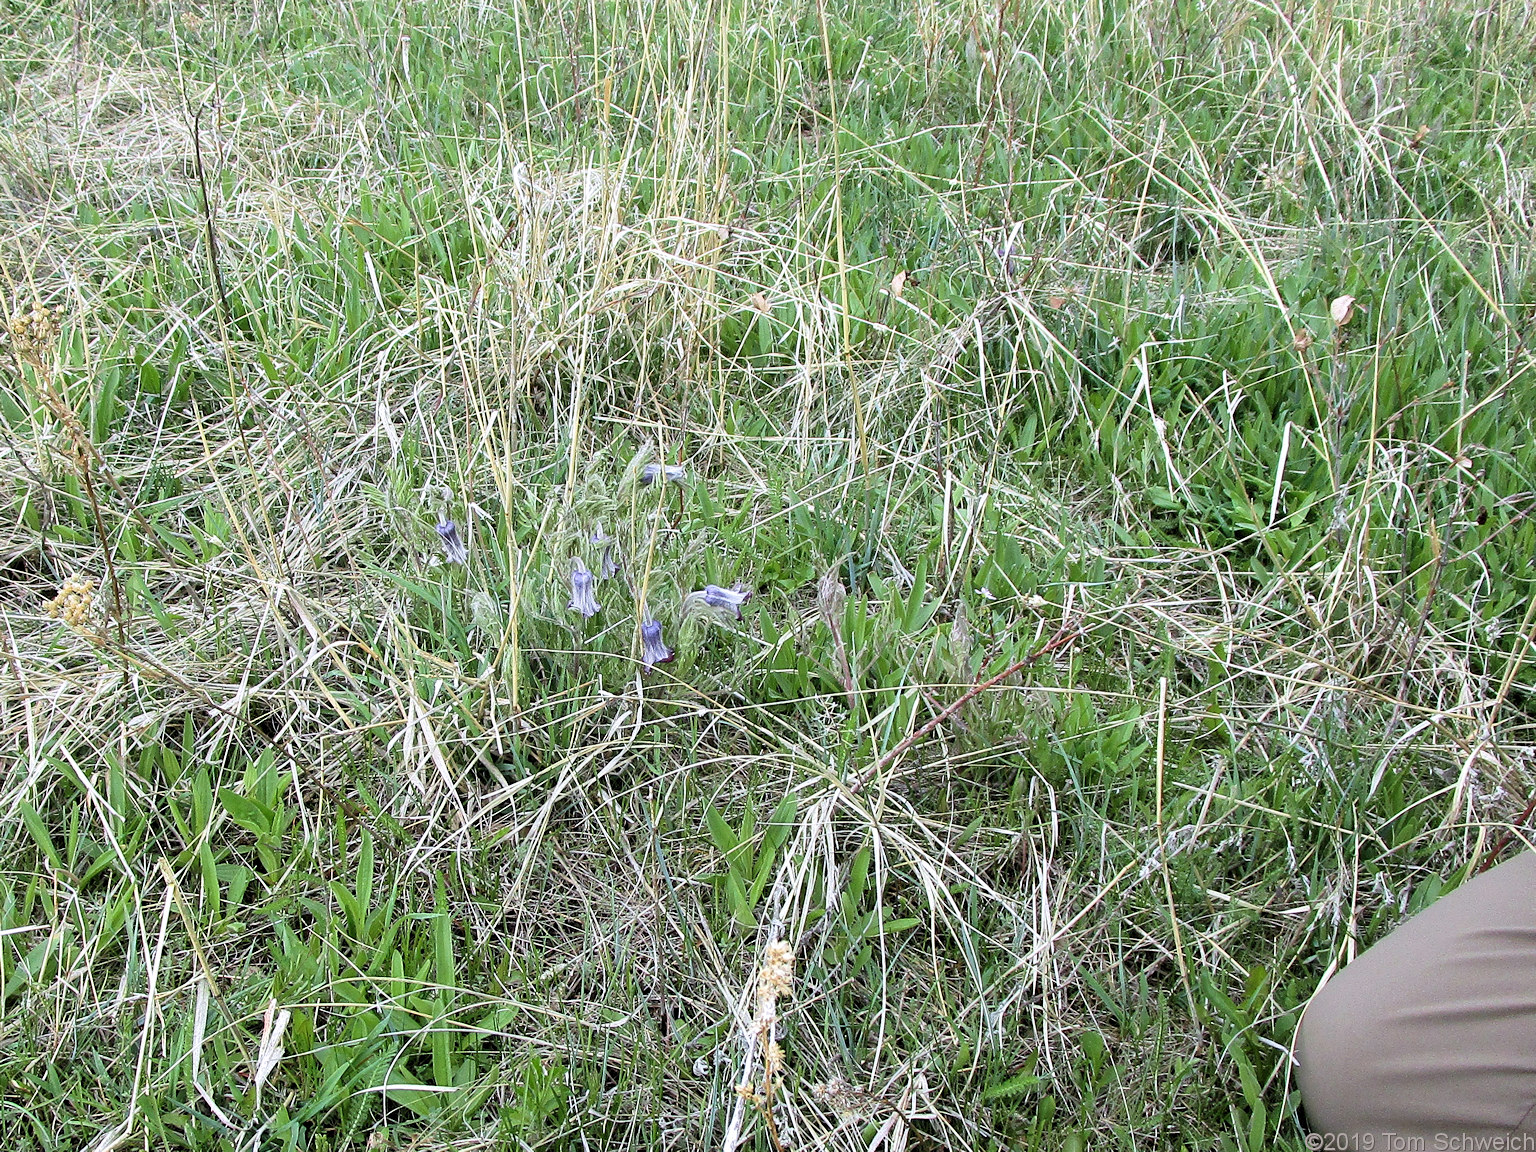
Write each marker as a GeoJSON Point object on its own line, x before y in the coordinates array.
{"type": "Point", "coordinates": [672, 473]}
{"type": "Point", "coordinates": [653, 649]}
{"type": "Point", "coordinates": [453, 543]}
{"type": "Point", "coordinates": [583, 599]}
{"type": "Point", "coordinates": [718, 600]}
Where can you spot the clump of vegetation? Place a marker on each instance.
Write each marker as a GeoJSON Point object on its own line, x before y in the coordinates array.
{"type": "Point", "coordinates": [799, 575]}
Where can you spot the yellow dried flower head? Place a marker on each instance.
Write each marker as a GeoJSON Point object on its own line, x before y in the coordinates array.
{"type": "Point", "coordinates": [778, 972]}
{"type": "Point", "coordinates": [34, 333]}
{"type": "Point", "coordinates": [74, 602]}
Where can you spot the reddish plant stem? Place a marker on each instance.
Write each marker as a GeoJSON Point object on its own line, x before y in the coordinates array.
{"type": "Point", "coordinates": [1503, 841]}
{"type": "Point", "coordinates": [1065, 636]}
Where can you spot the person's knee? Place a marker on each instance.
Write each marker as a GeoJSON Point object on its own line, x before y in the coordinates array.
{"type": "Point", "coordinates": [1430, 1030]}
{"type": "Point", "coordinates": [1337, 1045]}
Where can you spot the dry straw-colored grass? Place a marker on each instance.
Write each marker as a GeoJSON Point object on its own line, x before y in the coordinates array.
{"type": "Point", "coordinates": [561, 808]}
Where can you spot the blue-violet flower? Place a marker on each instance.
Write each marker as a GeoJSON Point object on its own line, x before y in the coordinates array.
{"type": "Point", "coordinates": [653, 649]}
{"type": "Point", "coordinates": [721, 601]}
{"type": "Point", "coordinates": [675, 473]}
{"type": "Point", "coordinates": [453, 544]}
{"type": "Point", "coordinates": [582, 598]}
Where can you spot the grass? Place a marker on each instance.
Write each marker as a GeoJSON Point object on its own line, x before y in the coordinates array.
{"type": "Point", "coordinates": [1138, 629]}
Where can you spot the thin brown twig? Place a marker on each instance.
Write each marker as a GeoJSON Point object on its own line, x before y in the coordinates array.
{"type": "Point", "coordinates": [1063, 637]}
{"type": "Point", "coordinates": [83, 452]}
{"type": "Point", "coordinates": [767, 1110]}
{"type": "Point", "coordinates": [210, 233]}
{"type": "Point", "coordinates": [1528, 631]}
{"type": "Point", "coordinates": [120, 605]}
{"type": "Point", "coordinates": [1506, 836]}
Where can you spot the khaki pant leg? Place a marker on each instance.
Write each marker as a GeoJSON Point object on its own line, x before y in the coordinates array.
{"type": "Point", "coordinates": [1431, 1033]}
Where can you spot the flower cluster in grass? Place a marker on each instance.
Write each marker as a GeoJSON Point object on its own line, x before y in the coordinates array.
{"type": "Point", "coordinates": [33, 334]}
{"type": "Point", "coordinates": [1198, 336]}
{"type": "Point", "coordinates": [74, 603]}
{"type": "Point", "coordinates": [713, 601]}
{"type": "Point", "coordinates": [721, 603]}
{"type": "Point", "coordinates": [775, 981]}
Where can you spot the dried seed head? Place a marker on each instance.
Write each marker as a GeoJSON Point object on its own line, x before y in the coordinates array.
{"type": "Point", "coordinates": [485, 612]}
{"type": "Point", "coordinates": [830, 598]}
{"type": "Point", "coordinates": [778, 972]}
{"type": "Point", "coordinates": [34, 334]}
{"type": "Point", "coordinates": [960, 642]}
{"type": "Point", "coordinates": [848, 1102]}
